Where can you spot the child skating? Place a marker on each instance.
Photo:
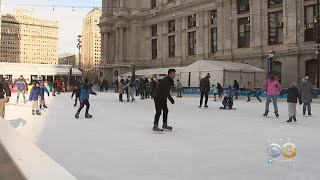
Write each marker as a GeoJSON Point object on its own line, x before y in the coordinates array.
{"type": "Point", "coordinates": [84, 98]}
{"type": "Point", "coordinates": [33, 97]}
{"type": "Point", "coordinates": [293, 95]}
{"type": "Point", "coordinates": [227, 102]}
{"type": "Point", "coordinates": [43, 89]}
{"type": "Point", "coordinates": [76, 92]}
{"type": "Point", "coordinates": [214, 91]}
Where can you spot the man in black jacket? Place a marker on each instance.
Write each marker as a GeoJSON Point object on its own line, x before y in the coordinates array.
{"type": "Point", "coordinates": [4, 91]}
{"type": "Point", "coordinates": [160, 99]}
{"type": "Point", "coordinates": [205, 89]}
{"type": "Point", "coordinates": [153, 86]}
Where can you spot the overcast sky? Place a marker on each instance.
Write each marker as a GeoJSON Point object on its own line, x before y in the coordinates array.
{"type": "Point", "coordinates": [70, 22]}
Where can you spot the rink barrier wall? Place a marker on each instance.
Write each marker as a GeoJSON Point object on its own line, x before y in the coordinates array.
{"type": "Point", "coordinates": [33, 163]}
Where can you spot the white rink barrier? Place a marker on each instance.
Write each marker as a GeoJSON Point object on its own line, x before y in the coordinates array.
{"type": "Point", "coordinates": [33, 163]}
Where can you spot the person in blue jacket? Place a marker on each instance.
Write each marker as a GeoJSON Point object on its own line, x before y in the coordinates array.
{"type": "Point", "coordinates": [43, 89]}
{"type": "Point", "coordinates": [33, 97]}
{"type": "Point", "coordinates": [22, 87]}
{"type": "Point", "coordinates": [84, 98]}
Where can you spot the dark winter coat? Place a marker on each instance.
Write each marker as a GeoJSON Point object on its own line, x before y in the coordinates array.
{"type": "Point", "coordinates": [43, 89]}
{"type": "Point", "coordinates": [205, 85]}
{"type": "Point", "coordinates": [220, 89]}
{"type": "Point", "coordinates": [76, 92]}
{"type": "Point", "coordinates": [85, 91]}
{"type": "Point", "coordinates": [236, 86]}
{"type": "Point", "coordinates": [153, 85]}
{"type": "Point", "coordinates": [293, 95]}
{"type": "Point", "coordinates": [162, 92]}
{"type": "Point", "coordinates": [4, 90]}
{"type": "Point", "coordinates": [142, 85]}
{"type": "Point", "coordinates": [34, 93]}
{"type": "Point", "coordinates": [306, 91]}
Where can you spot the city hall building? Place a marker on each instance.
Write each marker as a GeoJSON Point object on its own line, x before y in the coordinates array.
{"type": "Point", "coordinates": [176, 33]}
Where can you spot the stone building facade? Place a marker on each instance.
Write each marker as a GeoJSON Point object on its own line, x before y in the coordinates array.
{"type": "Point", "coordinates": [91, 40]}
{"type": "Point", "coordinates": [69, 59]}
{"type": "Point", "coordinates": [171, 33]}
{"type": "Point", "coordinates": [27, 39]}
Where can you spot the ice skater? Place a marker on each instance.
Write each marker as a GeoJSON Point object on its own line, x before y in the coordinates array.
{"type": "Point", "coordinates": [34, 97]}
{"type": "Point", "coordinates": [179, 89]}
{"type": "Point", "coordinates": [220, 90]}
{"type": "Point", "coordinates": [121, 90]}
{"type": "Point", "coordinates": [307, 93]}
{"type": "Point", "coordinates": [273, 88]}
{"type": "Point", "coordinates": [76, 91]}
{"type": "Point", "coordinates": [205, 89]}
{"type": "Point", "coordinates": [214, 91]}
{"type": "Point", "coordinates": [5, 94]}
{"type": "Point", "coordinates": [252, 90]}
{"type": "Point", "coordinates": [160, 100]}
{"type": "Point", "coordinates": [43, 89]}
{"type": "Point", "coordinates": [293, 95]}
{"type": "Point", "coordinates": [227, 102]}
{"type": "Point", "coordinates": [84, 98]}
{"type": "Point", "coordinates": [22, 87]}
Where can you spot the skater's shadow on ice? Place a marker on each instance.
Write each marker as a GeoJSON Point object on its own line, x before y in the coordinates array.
{"type": "Point", "coordinates": [18, 122]}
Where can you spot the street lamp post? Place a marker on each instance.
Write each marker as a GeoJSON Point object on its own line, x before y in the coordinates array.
{"type": "Point", "coordinates": [79, 48]}
{"type": "Point", "coordinates": [317, 18]}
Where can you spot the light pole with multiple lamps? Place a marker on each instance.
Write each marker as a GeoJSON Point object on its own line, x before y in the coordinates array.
{"type": "Point", "coordinates": [79, 45]}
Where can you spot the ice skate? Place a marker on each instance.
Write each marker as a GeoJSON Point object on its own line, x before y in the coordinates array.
{"type": "Point", "coordinates": [309, 113]}
{"type": "Point", "coordinates": [166, 127]}
{"type": "Point", "coordinates": [290, 120]}
{"type": "Point", "coordinates": [77, 115]}
{"type": "Point", "coordinates": [88, 116]}
{"type": "Point", "coordinates": [265, 114]}
{"type": "Point", "coordinates": [277, 115]}
{"type": "Point", "coordinates": [40, 106]}
{"type": "Point", "coordinates": [38, 112]}
{"type": "Point", "coordinates": [33, 112]}
{"type": "Point", "coordinates": [45, 106]}
{"type": "Point", "coordinates": [74, 105]}
{"type": "Point", "coordinates": [304, 113]}
{"type": "Point", "coordinates": [294, 119]}
{"type": "Point", "coordinates": [157, 129]}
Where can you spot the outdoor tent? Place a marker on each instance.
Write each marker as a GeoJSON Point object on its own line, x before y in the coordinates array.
{"type": "Point", "coordinates": [222, 72]}
{"type": "Point", "coordinates": [153, 73]}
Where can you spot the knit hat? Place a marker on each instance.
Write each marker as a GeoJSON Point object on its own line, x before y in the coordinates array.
{"type": "Point", "coordinates": [208, 75]}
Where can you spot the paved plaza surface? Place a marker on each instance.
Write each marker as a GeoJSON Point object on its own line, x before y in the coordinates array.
{"type": "Point", "coordinates": [118, 142]}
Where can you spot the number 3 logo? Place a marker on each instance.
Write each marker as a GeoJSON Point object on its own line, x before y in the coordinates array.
{"type": "Point", "coordinates": [289, 150]}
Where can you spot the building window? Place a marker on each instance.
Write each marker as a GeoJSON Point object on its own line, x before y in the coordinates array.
{"type": "Point", "coordinates": [172, 26]}
{"type": "Point", "coordinates": [154, 30]}
{"type": "Point", "coordinates": [153, 3]}
{"type": "Point", "coordinates": [243, 6]}
{"type": "Point", "coordinates": [276, 28]}
{"type": "Point", "coordinates": [192, 43]}
{"type": "Point", "coordinates": [272, 3]}
{"type": "Point", "coordinates": [214, 40]}
{"type": "Point", "coordinates": [309, 14]}
{"type": "Point", "coordinates": [311, 70]}
{"type": "Point", "coordinates": [213, 17]}
{"type": "Point", "coordinates": [192, 21]}
{"type": "Point", "coordinates": [154, 48]}
{"type": "Point", "coordinates": [244, 32]}
{"type": "Point", "coordinates": [172, 46]}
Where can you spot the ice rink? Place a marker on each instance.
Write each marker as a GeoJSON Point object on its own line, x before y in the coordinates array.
{"type": "Point", "coordinates": [206, 144]}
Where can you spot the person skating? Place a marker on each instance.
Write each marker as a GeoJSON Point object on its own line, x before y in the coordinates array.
{"type": "Point", "coordinates": [214, 91]}
{"type": "Point", "coordinates": [43, 89]}
{"type": "Point", "coordinates": [273, 89]}
{"type": "Point", "coordinates": [142, 87]}
{"type": "Point", "coordinates": [76, 92]}
{"type": "Point", "coordinates": [54, 88]}
{"type": "Point", "coordinates": [179, 89]}
{"type": "Point", "coordinates": [121, 90]}
{"type": "Point", "coordinates": [220, 90]}
{"type": "Point", "coordinates": [147, 88]}
{"type": "Point", "coordinates": [227, 102]}
{"type": "Point", "coordinates": [5, 94]}
{"type": "Point", "coordinates": [84, 98]}
{"type": "Point", "coordinates": [34, 97]}
{"type": "Point", "coordinates": [22, 87]}
{"type": "Point", "coordinates": [252, 90]}
{"type": "Point", "coordinates": [236, 88]}
{"type": "Point", "coordinates": [160, 100]}
{"type": "Point", "coordinates": [307, 92]}
{"type": "Point", "coordinates": [293, 95]}
{"type": "Point", "coordinates": [205, 89]}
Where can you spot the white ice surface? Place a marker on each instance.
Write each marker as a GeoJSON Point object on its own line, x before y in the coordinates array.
{"type": "Point", "coordinates": [206, 144]}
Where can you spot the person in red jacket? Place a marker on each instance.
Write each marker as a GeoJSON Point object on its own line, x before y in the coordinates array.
{"type": "Point", "coordinates": [59, 86]}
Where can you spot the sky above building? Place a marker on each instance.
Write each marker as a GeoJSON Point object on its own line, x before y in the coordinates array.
{"type": "Point", "coordinates": [69, 18]}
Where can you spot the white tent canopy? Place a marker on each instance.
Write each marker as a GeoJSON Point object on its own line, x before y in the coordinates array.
{"type": "Point", "coordinates": [222, 72]}
{"type": "Point", "coordinates": [153, 72]}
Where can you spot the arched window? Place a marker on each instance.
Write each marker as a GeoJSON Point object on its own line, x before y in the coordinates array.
{"type": "Point", "coordinates": [277, 69]}
{"type": "Point", "coordinates": [311, 70]}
